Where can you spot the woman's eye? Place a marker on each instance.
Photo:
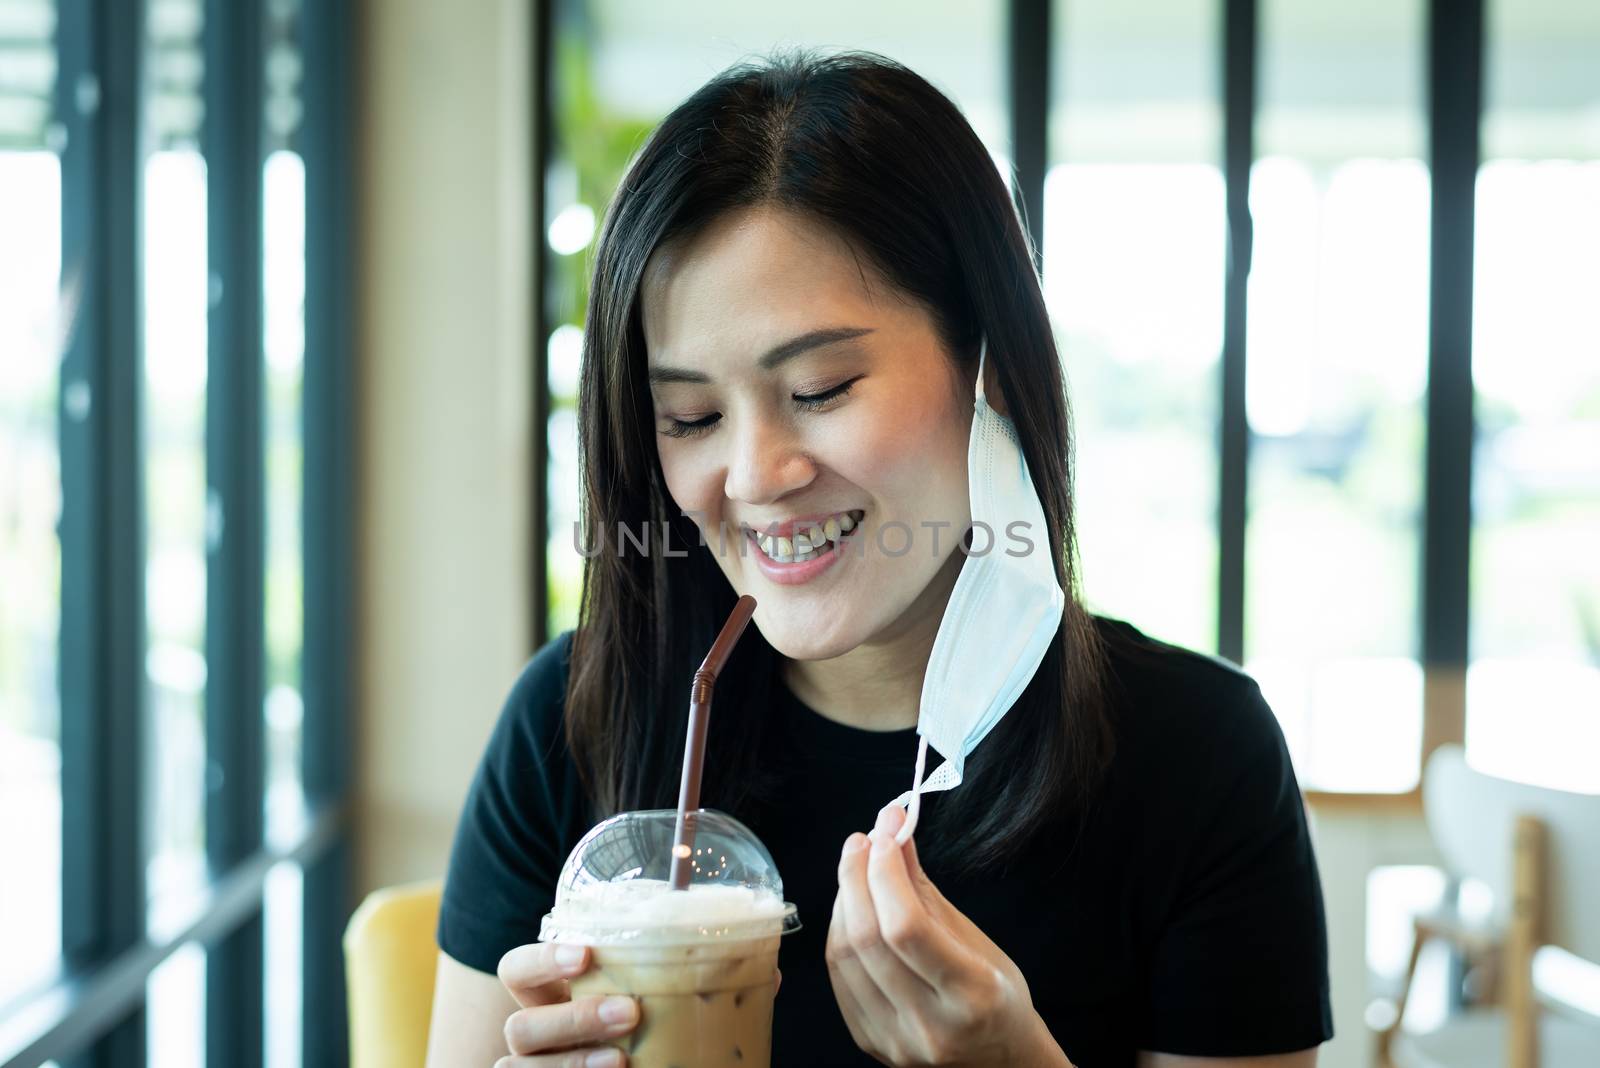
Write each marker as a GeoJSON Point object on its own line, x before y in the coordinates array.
{"type": "Point", "coordinates": [812, 400]}
{"type": "Point", "coordinates": [679, 428]}
{"type": "Point", "coordinates": [690, 428]}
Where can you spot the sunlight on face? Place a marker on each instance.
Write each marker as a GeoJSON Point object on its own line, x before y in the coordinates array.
{"type": "Point", "coordinates": [866, 414]}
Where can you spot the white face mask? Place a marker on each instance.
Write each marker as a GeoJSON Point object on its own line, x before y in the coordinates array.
{"type": "Point", "coordinates": [1003, 613]}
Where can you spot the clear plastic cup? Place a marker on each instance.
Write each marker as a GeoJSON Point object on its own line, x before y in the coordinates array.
{"type": "Point", "coordinates": [702, 961]}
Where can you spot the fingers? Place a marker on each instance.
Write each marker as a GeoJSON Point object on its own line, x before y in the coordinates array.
{"type": "Point", "coordinates": [862, 917]}
{"type": "Point", "coordinates": [905, 923]}
{"type": "Point", "coordinates": [537, 973]}
{"type": "Point", "coordinates": [860, 1001]}
{"type": "Point", "coordinates": [843, 956]}
{"type": "Point", "coordinates": [919, 878]}
{"type": "Point", "coordinates": [777, 982]}
{"type": "Point", "coordinates": [929, 891]}
{"type": "Point", "coordinates": [855, 1017]}
{"type": "Point", "coordinates": [951, 918]}
{"type": "Point", "coordinates": [578, 1058]}
{"type": "Point", "coordinates": [581, 1022]}
{"type": "Point", "coordinates": [890, 817]}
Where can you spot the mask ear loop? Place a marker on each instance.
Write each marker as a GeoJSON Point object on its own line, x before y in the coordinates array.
{"type": "Point", "coordinates": [983, 350]}
{"type": "Point", "coordinates": [914, 809]}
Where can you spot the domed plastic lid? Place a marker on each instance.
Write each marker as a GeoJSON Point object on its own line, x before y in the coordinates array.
{"type": "Point", "coordinates": [615, 885]}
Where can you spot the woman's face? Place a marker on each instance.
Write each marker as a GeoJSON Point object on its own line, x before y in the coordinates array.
{"type": "Point", "coordinates": [794, 388]}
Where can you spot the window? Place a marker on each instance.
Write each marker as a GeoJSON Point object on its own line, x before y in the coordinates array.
{"type": "Point", "coordinates": [1133, 272]}
{"type": "Point", "coordinates": [1253, 444]}
{"type": "Point", "coordinates": [180, 519]}
{"type": "Point", "coordinates": [1337, 358]}
{"type": "Point", "coordinates": [1134, 258]}
{"type": "Point", "coordinates": [1533, 690]}
{"type": "Point", "coordinates": [176, 1035]}
{"type": "Point", "coordinates": [283, 214]}
{"type": "Point", "coordinates": [283, 234]}
{"type": "Point", "coordinates": [174, 387]}
{"type": "Point", "coordinates": [30, 499]}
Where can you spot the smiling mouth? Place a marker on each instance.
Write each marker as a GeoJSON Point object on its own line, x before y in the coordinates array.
{"type": "Point", "coordinates": [807, 543]}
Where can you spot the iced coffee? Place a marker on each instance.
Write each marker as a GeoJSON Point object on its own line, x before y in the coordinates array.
{"type": "Point", "coordinates": [701, 961]}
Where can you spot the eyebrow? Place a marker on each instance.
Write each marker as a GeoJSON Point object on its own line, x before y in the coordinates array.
{"type": "Point", "coordinates": [813, 339]}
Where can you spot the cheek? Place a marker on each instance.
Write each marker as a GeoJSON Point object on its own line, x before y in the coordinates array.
{"type": "Point", "coordinates": [912, 454]}
{"type": "Point", "coordinates": [691, 477]}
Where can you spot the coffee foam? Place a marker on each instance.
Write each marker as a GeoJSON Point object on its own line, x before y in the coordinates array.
{"type": "Point", "coordinates": [649, 909]}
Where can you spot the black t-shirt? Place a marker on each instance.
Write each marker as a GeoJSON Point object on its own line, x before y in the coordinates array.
{"type": "Point", "coordinates": [1187, 919]}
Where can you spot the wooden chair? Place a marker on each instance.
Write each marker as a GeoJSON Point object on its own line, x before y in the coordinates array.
{"type": "Point", "coordinates": [390, 956]}
{"type": "Point", "coordinates": [1538, 850]}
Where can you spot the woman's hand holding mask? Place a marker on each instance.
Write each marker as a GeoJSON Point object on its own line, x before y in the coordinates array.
{"type": "Point", "coordinates": [918, 982]}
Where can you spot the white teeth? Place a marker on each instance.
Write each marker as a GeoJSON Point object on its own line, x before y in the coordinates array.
{"type": "Point", "coordinates": [806, 544]}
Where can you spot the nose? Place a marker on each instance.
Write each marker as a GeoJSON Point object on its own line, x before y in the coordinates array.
{"type": "Point", "coordinates": [766, 463]}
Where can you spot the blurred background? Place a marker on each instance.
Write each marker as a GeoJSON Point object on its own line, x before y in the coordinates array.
{"type": "Point", "coordinates": [291, 304]}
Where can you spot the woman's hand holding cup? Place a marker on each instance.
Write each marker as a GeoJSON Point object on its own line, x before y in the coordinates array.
{"type": "Point", "coordinates": [551, 1029]}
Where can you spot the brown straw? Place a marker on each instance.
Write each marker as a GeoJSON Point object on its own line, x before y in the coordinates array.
{"type": "Point", "coordinates": [694, 749]}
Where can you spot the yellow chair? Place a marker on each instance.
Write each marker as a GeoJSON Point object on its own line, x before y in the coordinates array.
{"type": "Point", "coordinates": [389, 961]}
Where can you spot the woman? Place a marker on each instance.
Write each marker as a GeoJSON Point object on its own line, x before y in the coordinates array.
{"type": "Point", "coordinates": [794, 290]}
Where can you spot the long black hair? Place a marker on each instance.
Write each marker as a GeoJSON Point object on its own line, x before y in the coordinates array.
{"type": "Point", "coordinates": [860, 144]}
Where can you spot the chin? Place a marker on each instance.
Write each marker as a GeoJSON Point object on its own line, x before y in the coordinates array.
{"type": "Point", "coordinates": [800, 643]}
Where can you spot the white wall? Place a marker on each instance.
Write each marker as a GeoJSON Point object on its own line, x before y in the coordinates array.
{"type": "Point", "coordinates": [445, 261]}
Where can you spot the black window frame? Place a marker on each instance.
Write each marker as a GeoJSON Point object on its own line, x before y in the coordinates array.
{"type": "Point", "coordinates": [92, 1013]}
